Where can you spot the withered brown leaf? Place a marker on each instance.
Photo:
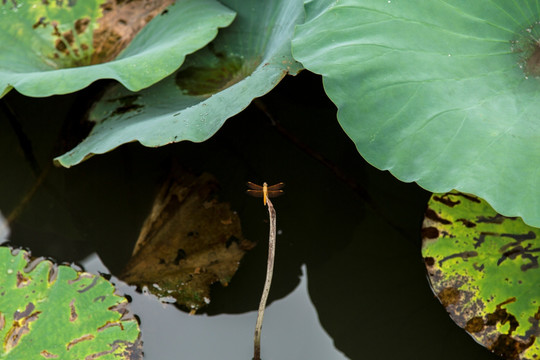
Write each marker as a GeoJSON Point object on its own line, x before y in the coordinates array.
{"type": "Point", "coordinates": [121, 21]}
{"type": "Point", "coordinates": [189, 241]}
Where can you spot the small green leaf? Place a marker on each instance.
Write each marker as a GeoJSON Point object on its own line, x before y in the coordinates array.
{"type": "Point", "coordinates": [55, 312]}
{"type": "Point", "coordinates": [47, 47]}
{"type": "Point", "coordinates": [484, 269]}
{"type": "Point", "coordinates": [244, 62]}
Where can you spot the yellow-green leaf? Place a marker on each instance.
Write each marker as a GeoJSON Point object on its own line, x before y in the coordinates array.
{"type": "Point", "coordinates": [484, 269]}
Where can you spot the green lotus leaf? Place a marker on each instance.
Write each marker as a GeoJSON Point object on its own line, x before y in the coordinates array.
{"type": "Point", "coordinates": [245, 61]}
{"type": "Point", "coordinates": [484, 269]}
{"type": "Point", "coordinates": [444, 93]}
{"type": "Point", "coordinates": [47, 47]}
{"type": "Point", "coordinates": [55, 312]}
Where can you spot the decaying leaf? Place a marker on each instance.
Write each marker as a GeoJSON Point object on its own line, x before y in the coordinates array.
{"type": "Point", "coordinates": [58, 47]}
{"type": "Point", "coordinates": [484, 269]}
{"type": "Point", "coordinates": [50, 311]}
{"type": "Point", "coordinates": [189, 241]}
{"type": "Point", "coordinates": [121, 21]}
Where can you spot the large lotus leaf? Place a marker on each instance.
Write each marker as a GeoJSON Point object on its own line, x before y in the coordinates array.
{"type": "Point", "coordinates": [484, 269]}
{"type": "Point", "coordinates": [436, 91]}
{"type": "Point", "coordinates": [47, 47]}
{"type": "Point", "coordinates": [245, 61]}
{"type": "Point", "coordinates": [55, 312]}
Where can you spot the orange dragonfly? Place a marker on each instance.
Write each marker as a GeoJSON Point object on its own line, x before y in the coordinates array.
{"type": "Point", "coordinates": [265, 191]}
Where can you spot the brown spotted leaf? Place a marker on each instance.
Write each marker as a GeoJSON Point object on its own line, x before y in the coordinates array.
{"type": "Point", "coordinates": [121, 21]}
{"type": "Point", "coordinates": [55, 312]}
{"type": "Point", "coordinates": [484, 269]}
{"type": "Point", "coordinates": [57, 47]}
{"type": "Point", "coordinates": [189, 241]}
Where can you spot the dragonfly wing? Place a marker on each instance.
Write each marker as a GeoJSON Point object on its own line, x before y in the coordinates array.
{"type": "Point", "coordinates": [277, 186]}
{"type": "Point", "coordinates": [275, 193]}
{"type": "Point", "coordinates": [254, 186]}
{"type": "Point", "coordinates": [255, 193]}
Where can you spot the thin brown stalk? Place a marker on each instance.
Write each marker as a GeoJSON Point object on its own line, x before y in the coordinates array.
{"type": "Point", "coordinates": [268, 281]}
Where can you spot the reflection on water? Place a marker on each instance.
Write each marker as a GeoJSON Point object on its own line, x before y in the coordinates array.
{"type": "Point", "coordinates": [367, 279]}
{"type": "Point", "coordinates": [169, 333]}
{"type": "Point", "coordinates": [4, 228]}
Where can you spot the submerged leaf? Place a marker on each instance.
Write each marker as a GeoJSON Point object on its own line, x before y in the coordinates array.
{"type": "Point", "coordinates": [245, 61]}
{"type": "Point", "coordinates": [188, 242]}
{"type": "Point", "coordinates": [55, 312]}
{"type": "Point", "coordinates": [442, 93]}
{"type": "Point", "coordinates": [57, 47]}
{"type": "Point", "coordinates": [484, 269]}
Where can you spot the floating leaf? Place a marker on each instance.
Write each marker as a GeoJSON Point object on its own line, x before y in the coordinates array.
{"type": "Point", "coordinates": [484, 269]}
{"type": "Point", "coordinates": [244, 62]}
{"type": "Point", "coordinates": [188, 242]}
{"type": "Point", "coordinates": [435, 91]}
{"type": "Point", "coordinates": [55, 312]}
{"type": "Point", "coordinates": [49, 47]}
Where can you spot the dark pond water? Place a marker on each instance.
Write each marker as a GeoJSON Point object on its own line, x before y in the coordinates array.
{"type": "Point", "coordinates": [349, 279]}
